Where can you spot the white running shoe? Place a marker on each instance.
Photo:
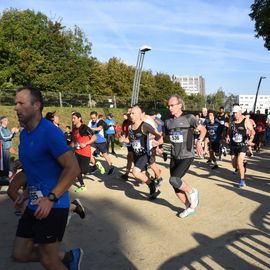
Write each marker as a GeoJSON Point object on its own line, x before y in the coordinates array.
{"type": "Point", "coordinates": [194, 198]}
{"type": "Point", "coordinates": [187, 212]}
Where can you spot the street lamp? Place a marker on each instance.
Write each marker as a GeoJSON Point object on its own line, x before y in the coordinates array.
{"type": "Point", "coordinates": [138, 74]}
{"type": "Point", "coordinates": [259, 84]}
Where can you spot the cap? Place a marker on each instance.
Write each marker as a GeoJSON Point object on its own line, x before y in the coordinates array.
{"type": "Point", "coordinates": [236, 109]}
{"type": "Point", "coordinates": [152, 113]}
{"type": "Point", "coordinates": [77, 114]}
{"type": "Point", "coordinates": [110, 114]}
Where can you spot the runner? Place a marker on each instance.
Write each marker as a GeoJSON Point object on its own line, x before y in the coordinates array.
{"type": "Point", "coordinates": [125, 127]}
{"type": "Point", "coordinates": [97, 125]}
{"type": "Point", "coordinates": [82, 139]}
{"type": "Point", "coordinates": [137, 137]}
{"type": "Point", "coordinates": [180, 130]}
{"type": "Point", "coordinates": [214, 132]}
{"type": "Point", "coordinates": [50, 169]}
{"type": "Point", "coordinates": [237, 136]}
{"type": "Point", "coordinates": [110, 132]}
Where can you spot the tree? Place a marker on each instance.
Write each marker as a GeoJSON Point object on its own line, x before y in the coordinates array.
{"type": "Point", "coordinates": [261, 15]}
{"type": "Point", "coordinates": [36, 50]}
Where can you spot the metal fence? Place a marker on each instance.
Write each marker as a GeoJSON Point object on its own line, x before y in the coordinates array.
{"type": "Point", "coordinates": [59, 99]}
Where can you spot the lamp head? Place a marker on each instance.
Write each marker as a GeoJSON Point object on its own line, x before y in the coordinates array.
{"type": "Point", "coordinates": [145, 48]}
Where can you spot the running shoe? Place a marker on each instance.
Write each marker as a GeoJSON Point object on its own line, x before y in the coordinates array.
{"type": "Point", "coordinates": [111, 170]}
{"type": "Point", "coordinates": [77, 254]}
{"type": "Point", "coordinates": [93, 169]}
{"type": "Point", "coordinates": [100, 167]}
{"type": "Point", "coordinates": [80, 189]}
{"type": "Point", "coordinates": [79, 208]}
{"type": "Point", "coordinates": [235, 171]}
{"type": "Point", "coordinates": [158, 181]}
{"type": "Point", "coordinates": [113, 153]}
{"type": "Point", "coordinates": [194, 198]}
{"type": "Point", "coordinates": [124, 177]}
{"type": "Point", "coordinates": [242, 183]}
{"type": "Point", "coordinates": [187, 212]}
{"type": "Point", "coordinates": [215, 167]}
{"type": "Point", "coordinates": [153, 191]}
{"type": "Point", "coordinates": [209, 161]}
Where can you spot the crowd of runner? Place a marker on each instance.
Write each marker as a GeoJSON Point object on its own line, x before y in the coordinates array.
{"type": "Point", "coordinates": [51, 161]}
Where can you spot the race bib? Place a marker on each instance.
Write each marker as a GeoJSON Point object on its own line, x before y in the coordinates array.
{"type": "Point", "coordinates": [34, 194]}
{"type": "Point", "coordinates": [237, 138]}
{"type": "Point", "coordinates": [176, 137]}
{"type": "Point", "coordinates": [136, 145]}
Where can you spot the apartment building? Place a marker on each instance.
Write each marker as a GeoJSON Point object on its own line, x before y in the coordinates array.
{"type": "Point", "coordinates": [191, 84]}
{"type": "Point", "coordinates": [247, 102]}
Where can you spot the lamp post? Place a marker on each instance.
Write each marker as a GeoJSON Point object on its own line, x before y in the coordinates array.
{"type": "Point", "coordinates": [259, 84]}
{"type": "Point", "coordinates": [138, 74]}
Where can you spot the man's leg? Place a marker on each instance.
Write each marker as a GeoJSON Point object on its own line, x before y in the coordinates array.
{"type": "Point", "coordinates": [49, 256]}
{"type": "Point", "coordinates": [24, 250]}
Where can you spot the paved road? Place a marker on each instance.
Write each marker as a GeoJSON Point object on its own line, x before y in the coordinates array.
{"type": "Point", "coordinates": [122, 230]}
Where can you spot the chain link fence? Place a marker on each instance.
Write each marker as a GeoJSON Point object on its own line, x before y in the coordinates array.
{"type": "Point", "coordinates": [58, 99]}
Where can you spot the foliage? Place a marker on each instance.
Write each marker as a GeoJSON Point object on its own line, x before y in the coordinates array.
{"type": "Point", "coordinates": [36, 50]}
{"type": "Point", "coordinates": [260, 13]}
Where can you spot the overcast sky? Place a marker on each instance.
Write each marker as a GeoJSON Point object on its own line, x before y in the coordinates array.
{"type": "Point", "coordinates": [214, 39]}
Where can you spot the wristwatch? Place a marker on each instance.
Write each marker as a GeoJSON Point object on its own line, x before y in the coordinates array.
{"type": "Point", "coordinates": [52, 197]}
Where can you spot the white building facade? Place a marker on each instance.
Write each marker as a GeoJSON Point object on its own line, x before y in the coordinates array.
{"type": "Point", "coordinates": [191, 85]}
{"type": "Point", "coordinates": [247, 102]}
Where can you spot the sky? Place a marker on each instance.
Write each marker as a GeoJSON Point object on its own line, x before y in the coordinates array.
{"type": "Point", "coordinates": [213, 39]}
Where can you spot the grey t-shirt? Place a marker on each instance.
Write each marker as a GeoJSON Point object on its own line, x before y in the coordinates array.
{"type": "Point", "coordinates": [180, 131]}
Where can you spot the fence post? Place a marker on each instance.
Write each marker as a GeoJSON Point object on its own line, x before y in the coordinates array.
{"type": "Point", "coordinates": [60, 99]}
{"type": "Point", "coordinates": [114, 101]}
{"type": "Point", "coordinates": [89, 101]}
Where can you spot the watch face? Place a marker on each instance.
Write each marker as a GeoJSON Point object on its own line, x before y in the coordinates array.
{"type": "Point", "coordinates": [52, 197]}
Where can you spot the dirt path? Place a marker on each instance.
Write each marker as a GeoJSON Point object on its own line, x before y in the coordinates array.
{"type": "Point", "coordinates": [123, 230]}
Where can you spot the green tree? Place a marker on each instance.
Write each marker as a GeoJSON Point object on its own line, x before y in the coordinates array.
{"type": "Point", "coordinates": [34, 49]}
{"type": "Point", "coordinates": [260, 13]}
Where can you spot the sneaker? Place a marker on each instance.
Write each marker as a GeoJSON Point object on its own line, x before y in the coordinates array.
{"type": "Point", "coordinates": [100, 167]}
{"type": "Point", "coordinates": [153, 191]}
{"type": "Point", "coordinates": [124, 177]}
{"type": "Point", "coordinates": [80, 189]}
{"type": "Point", "coordinates": [194, 198]}
{"type": "Point", "coordinates": [242, 183]}
{"type": "Point", "coordinates": [93, 169]}
{"type": "Point", "coordinates": [158, 181]}
{"type": "Point", "coordinates": [77, 258]}
{"type": "Point", "coordinates": [209, 161]}
{"type": "Point", "coordinates": [113, 153]}
{"type": "Point", "coordinates": [79, 208]}
{"type": "Point", "coordinates": [111, 170]}
{"type": "Point", "coordinates": [215, 167]}
{"type": "Point", "coordinates": [187, 212]}
{"type": "Point", "coordinates": [235, 171]}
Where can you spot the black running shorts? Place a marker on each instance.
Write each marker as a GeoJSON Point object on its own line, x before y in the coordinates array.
{"type": "Point", "coordinates": [141, 162]}
{"type": "Point", "coordinates": [44, 231]}
{"type": "Point", "coordinates": [102, 147]}
{"type": "Point", "coordinates": [237, 149]}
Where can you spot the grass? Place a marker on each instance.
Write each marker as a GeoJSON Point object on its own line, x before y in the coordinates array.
{"type": "Point", "coordinates": [64, 114]}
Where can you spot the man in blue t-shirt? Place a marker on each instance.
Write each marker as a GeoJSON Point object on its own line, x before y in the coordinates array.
{"type": "Point", "coordinates": [110, 132]}
{"type": "Point", "coordinates": [50, 169]}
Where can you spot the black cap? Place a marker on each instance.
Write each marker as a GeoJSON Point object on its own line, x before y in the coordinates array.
{"type": "Point", "coordinates": [110, 114]}
{"type": "Point", "coordinates": [152, 113]}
